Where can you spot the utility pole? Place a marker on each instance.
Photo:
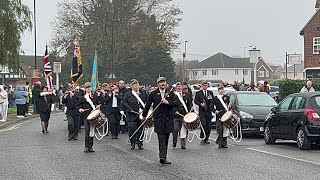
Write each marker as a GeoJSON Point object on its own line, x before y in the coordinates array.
{"type": "Point", "coordinates": [184, 64]}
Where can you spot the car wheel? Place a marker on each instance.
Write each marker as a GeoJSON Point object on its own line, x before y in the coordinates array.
{"type": "Point", "coordinates": [303, 141]}
{"type": "Point", "coordinates": [268, 135]}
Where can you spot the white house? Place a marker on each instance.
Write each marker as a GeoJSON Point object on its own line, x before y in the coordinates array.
{"type": "Point", "coordinates": [221, 67]}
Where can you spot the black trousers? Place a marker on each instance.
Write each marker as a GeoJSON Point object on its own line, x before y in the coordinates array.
{"type": "Point", "coordinates": [73, 126]}
{"type": "Point", "coordinates": [27, 107]}
{"type": "Point", "coordinates": [132, 128]}
{"type": "Point", "coordinates": [114, 118]}
{"type": "Point", "coordinates": [176, 130]}
{"type": "Point", "coordinates": [206, 124]}
{"type": "Point", "coordinates": [220, 140]}
{"type": "Point", "coordinates": [163, 145]}
{"type": "Point", "coordinates": [20, 109]}
{"type": "Point", "coordinates": [88, 141]}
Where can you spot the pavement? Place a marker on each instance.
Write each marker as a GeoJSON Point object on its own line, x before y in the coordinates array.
{"type": "Point", "coordinates": [26, 153]}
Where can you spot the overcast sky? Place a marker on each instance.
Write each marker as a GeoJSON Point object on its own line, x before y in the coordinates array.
{"type": "Point", "coordinates": [212, 26]}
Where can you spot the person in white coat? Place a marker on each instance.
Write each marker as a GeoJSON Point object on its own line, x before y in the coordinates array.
{"type": "Point", "coordinates": [3, 104]}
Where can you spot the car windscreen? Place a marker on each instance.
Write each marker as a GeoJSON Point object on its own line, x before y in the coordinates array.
{"type": "Point", "coordinates": [255, 100]}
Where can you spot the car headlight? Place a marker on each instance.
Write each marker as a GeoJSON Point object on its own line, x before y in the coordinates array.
{"type": "Point", "coordinates": [245, 115]}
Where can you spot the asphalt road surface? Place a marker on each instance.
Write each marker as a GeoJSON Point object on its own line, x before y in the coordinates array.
{"type": "Point", "coordinates": [26, 153]}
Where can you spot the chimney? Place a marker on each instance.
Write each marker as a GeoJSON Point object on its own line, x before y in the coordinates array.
{"type": "Point", "coordinates": [254, 55]}
{"type": "Point", "coordinates": [317, 4]}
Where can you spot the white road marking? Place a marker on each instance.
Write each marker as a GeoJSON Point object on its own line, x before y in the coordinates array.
{"type": "Point", "coordinates": [287, 157]}
{"type": "Point", "coordinates": [11, 128]}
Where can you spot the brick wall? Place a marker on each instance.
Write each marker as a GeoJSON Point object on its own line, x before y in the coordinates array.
{"type": "Point", "coordinates": [311, 30]}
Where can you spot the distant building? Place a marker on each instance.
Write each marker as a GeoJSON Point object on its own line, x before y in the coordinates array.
{"type": "Point", "coordinates": [223, 68]}
{"type": "Point", "coordinates": [311, 35]}
{"type": "Point", "coordinates": [294, 72]}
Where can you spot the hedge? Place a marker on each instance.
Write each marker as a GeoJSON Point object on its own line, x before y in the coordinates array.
{"type": "Point", "coordinates": [287, 87]}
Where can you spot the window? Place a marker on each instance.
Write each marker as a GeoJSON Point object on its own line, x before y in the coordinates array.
{"type": "Point", "coordinates": [267, 73]}
{"type": "Point", "coordinates": [194, 73]}
{"type": "Point", "coordinates": [232, 99]}
{"type": "Point", "coordinates": [316, 45]}
{"type": "Point", "coordinates": [284, 106]}
{"type": "Point", "coordinates": [245, 72]}
{"type": "Point", "coordinates": [236, 72]}
{"type": "Point", "coordinates": [214, 72]}
{"type": "Point", "coordinates": [298, 103]}
{"type": "Point", "coordinates": [260, 73]}
{"type": "Point", "coordinates": [204, 72]}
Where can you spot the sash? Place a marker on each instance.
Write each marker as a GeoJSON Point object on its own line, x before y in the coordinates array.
{"type": "Point", "coordinates": [225, 132]}
{"type": "Point", "coordinates": [139, 99]}
{"type": "Point", "coordinates": [91, 133]}
{"type": "Point", "coordinates": [182, 101]}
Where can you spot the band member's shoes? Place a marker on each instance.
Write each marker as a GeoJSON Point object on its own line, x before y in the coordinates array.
{"type": "Point", "coordinates": [202, 142]}
{"type": "Point", "coordinates": [91, 150]}
{"type": "Point", "coordinates": [113, 137]}
{"type": "Point", "coordinates": [222, 146]}
{"type": "Point", "coordinates": [69, 139]}
{"type": "Point", "coordinates": [174, 145]}
{"type": "Point", "coordinates": [183, 147]}
{"type": "Point", "coordinates": [207, 142]}
{"type": "Point", "coordinates": [42, 131]}
{"type": "Point", "coordinates": [76, 139]}
{"type": "Point", "coordinates": [164, 161]}
{"type": "Point", "coordinates": [86, 150]}
{"type": "Point", "coordinates": [140, 146]}
{"type": "Point", "coordinates": [133, 146]}
{"type": "Point", "coordinates": [116, 137]}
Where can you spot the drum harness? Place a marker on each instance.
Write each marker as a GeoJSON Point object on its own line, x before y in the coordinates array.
{"type": "Point", "coordinates": [92, 133]}
{"type": "Point", "coordinates": [235, 132]}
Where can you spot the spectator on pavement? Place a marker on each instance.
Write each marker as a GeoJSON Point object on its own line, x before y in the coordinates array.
{"type": "Point", "coordinates": [28, 98]}
{"type": "Point", "coordinates": [10, 96]}
{"type": "Point", "coordinates": [265, 87]}
{"type": "Point", "coordinates": [308, 87]}
{"type": "Point", "coordinates": [3, 104]}
{"type": "Point", "coordinates": [20, 100]}
{"type": "Point", "coordinates": [252, 88]}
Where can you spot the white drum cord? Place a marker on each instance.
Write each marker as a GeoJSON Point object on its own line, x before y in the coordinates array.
{"type": "Point", "coordinates": [194, 133]}
{"type": "Point", "coordinates": [146, 135]}
{"type": "Point", "coordinates": [105, 131]}
{"type": "Point", "coordinates": [236, 132]}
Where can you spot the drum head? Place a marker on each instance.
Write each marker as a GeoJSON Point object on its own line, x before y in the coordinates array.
{"type": "Point", "coordinates": [93, 114]}
{"type": "Point", "coordinates": [190, 117]}
{"type": "Point", "coordinates": [226, 116]}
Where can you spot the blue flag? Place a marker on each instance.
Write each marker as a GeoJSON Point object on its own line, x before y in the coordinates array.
{"type": "Point", "coordinates": [94, 77]}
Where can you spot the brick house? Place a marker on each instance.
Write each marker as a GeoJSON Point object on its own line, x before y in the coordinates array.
{"type": "Point", "coordinates": [311, 35]}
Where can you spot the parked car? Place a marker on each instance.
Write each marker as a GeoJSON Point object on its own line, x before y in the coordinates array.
{"type": "Point", "coordinates": [274, 92]}
{"type": "Point", "coordinates": [252, 108]}
{"type": "Point", "coordinates": [295, 118]}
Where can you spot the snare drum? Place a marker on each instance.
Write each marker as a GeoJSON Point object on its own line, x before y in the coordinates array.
{"type": "Point", "coordinates": [229, 119]}
{"type": "Point", "coordinates": [191, 121]}
{"type": "Point", "coordinates": [97, 118]}
{"type": "Point", "coordinates": [149, 119]}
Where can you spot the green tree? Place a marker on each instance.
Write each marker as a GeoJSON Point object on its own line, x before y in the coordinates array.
{"type": "Point", "coordinates": [15, 18]}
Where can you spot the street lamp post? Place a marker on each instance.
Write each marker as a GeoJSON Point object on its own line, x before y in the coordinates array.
{"type": "Point", "coordinates": [35, 34]}
{"type": "Point", "coordinates": [185, 67]}
{"type": "Point", "coordinates": [112, 40]}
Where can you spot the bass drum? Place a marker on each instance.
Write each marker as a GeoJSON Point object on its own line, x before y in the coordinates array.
{"type": "Point", "coordinates": [191, 121]}
{"type": "Point", "coordinates": [230, 119]}
{"type": "Point", "coordinates": [97, 118]}
{"type": "Point", "coordinates": [149, 123]}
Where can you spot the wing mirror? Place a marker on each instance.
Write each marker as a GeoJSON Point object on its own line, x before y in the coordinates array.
{"type": "Point", "coordinates": [274, 109]}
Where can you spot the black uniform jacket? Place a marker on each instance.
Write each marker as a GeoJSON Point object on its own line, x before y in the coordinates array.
{"type": "Point", "coordinates": [163, 116]}
{"type": "Point", "coordinates": [45, 103]}
{"type": "Point", "coordinates": [131, 103]}
{"type": "Point", "coordinates": [200, 98]}
{"type": "Point", "coordinates": [187, 98]}
{"type": "Point", "coordinates": [70, 102]}
{"type": "Point", "coordinates": [219, 106]}
{"type": "Point", "coordinates": [106, 102]}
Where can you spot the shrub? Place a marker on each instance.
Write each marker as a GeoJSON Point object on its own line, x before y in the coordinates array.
{"type": "Point", "coordinates": [289, 86]}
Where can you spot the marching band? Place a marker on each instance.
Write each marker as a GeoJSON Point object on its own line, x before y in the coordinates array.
{"type": "Point", "coordinates": [166, 110]}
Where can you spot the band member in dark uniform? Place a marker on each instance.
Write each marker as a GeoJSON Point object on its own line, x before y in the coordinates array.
{"type": "Point", "coordinates": [122, 91]}
{"type": "Point", "coordinates": [185, 105]}
{"type": "Point", "coordinates": [203, 99]}
{"type": "Point", "coordinates": [105, 100]}
{"type": "Point", "coordinates": [73, 115]}
{"type": "Point", "coordinates": [113, 103]}
{"type": "Point", "coordinates": [163, 116]}
{"type": "Point", "coordinates": [85, 105]}
{"type": "Point", "coordinates": [45, 101]}
{"type": "Point", "coordinates": [134, 103]}
{"type": "Point", "coordinates": [220, 110]}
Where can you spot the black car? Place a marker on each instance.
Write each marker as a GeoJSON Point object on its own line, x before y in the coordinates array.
{"type": "Point", "coordinates": [295, 118]}
{"type": "Point", "coordinates": [252, 108]}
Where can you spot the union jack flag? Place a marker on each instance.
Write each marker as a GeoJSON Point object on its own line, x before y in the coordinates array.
{"type": "Point", "coordinates": [47, 69]}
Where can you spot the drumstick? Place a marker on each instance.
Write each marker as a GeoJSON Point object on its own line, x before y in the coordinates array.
{"type": "Point", "coordinates": [135, 112]}
{"type": "Point", "coordinates": [179, 114]}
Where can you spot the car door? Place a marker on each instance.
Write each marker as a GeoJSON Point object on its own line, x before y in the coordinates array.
{"type": "Point", "coordinates": [295, 113]}
{"type": "Point", "coordinates": [277, 122]}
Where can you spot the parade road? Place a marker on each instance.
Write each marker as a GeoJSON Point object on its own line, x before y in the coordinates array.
{"type": "Point", "coordinates": [26, 153]}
